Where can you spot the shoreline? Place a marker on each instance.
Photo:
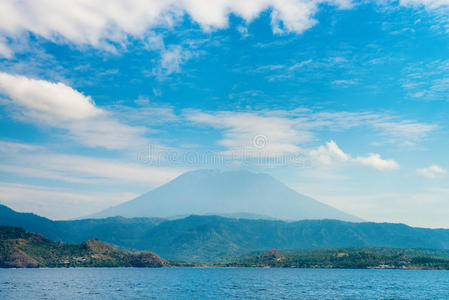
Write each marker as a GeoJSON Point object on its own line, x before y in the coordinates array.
{"type": "Point", "coordinates": [223, 267]}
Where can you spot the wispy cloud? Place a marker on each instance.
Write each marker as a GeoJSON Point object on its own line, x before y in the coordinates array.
{"type": "Point", "coordinates": [427, 81]}
{"type": "Point", "coordinates": [300, 64]}
{"type": "Point", "coordinates": [5, 49]}
{"type": "Point", "coordinates": [278, 135]}
{"type": "Point", "coordinates": [172, 59]}
{"type": "Point", "coordinates": [296, 127]}
{"type": "Point", "coordinates": [143, 113]}
{"type": "Point", "coordinates": [393, 128]}
{"type": "Point", "coordinates": [37, 162]}
{"type": "Point", "coordinates": [58, 203]}
{"type": "Point", "coordinates": [315, 67]}
{"type": "Point", "coordinates": [15, 147]}
{"type": "Point", "coordinates": [430, 4]}
{"type": "Point", "coordinates": [344, 82]}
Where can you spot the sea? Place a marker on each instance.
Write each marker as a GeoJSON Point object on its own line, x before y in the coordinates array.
{"type": "Point", "coordinates": [222, 283]}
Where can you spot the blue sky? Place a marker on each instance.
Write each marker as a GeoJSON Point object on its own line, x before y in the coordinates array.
{"type": "Point", "coordinates": [343, 101]}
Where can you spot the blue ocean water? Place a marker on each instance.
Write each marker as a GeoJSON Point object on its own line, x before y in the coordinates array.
{"type": "Point", "coordinates": [222, 283]}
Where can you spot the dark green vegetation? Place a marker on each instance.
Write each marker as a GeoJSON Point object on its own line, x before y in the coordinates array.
{"type": "Point", "coordinates": [347, 258]}
{"type": "Point", "coordinates": [206, 238]}
{"type": "Point", "coordinates": [22, 249]}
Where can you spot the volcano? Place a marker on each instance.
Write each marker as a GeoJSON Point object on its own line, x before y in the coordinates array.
{"type": "Point", "coordinates": [241, 194]}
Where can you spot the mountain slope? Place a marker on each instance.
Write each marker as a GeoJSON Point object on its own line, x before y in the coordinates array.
{"type": "Point", "coordinates": [28, 221]}
{"type": "Point", "coordinates": [200, 238]}
{"type": "Point", "coordinates": [208, 237]}
{"type": "Point", "coordinates": [212, 192]}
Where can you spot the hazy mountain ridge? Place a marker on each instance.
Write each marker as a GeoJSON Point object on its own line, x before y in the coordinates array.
{"type": "Point", "coordinates": [226, 193]}
{"type": "Point", "coordinates": [115, 229]}
{"type": "Point", "coordinates": [200, 238]}
{"type": "Point", "coordinates": [22, 249]}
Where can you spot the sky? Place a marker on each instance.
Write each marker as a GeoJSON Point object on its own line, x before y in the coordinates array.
{"type": "Point", "coordinates": [344, 101]}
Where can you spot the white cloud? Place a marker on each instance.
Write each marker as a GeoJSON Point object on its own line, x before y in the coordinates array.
{"type": "Point", "coordinates": [431, 172]}
{"type": "Point", "coordinates": [278, 134]}
{"type": "Point", "coordinates": [58, 105]}
{"type": "Point", "coordinates": [108, 25]}
{"type": "Point", "coordinates": [375, 161]}
{"type": "Point", "coordinates": [98, 23]}
{"type": "Point", "coordinates": [46, 99]}
{"type": "Point", "coordinates": [328, 153]}
{"type": "Point", "coordinates": [293, 16]}
{"type": "Point", "coordinates": [287, 131]}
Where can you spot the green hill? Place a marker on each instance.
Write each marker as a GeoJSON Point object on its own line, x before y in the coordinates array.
{"type": "Point", "coordinates": [202, 238]}
{"type": "Point", "coordinates": [22, 249]}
